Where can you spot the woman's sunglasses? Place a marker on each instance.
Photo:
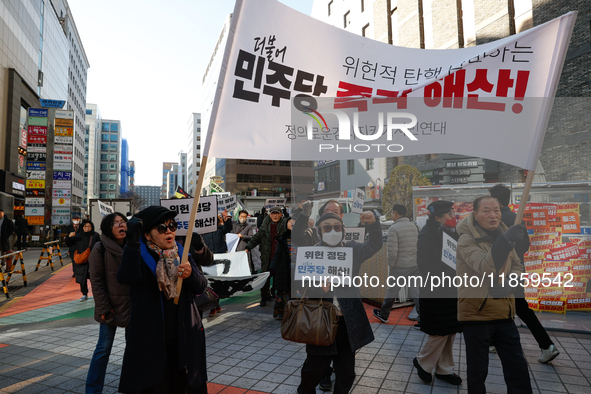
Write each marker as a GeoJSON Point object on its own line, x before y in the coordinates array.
{"type": "Point", "coordinates": [172, 226]}
{"type": "Point", "coordinates": [327, 228]}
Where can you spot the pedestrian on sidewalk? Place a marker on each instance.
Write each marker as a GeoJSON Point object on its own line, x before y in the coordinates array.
{"type": "Point", "coordinates": [22, 228]}
{"type": "Point", "coordinates": [112, 303]}
{"type": "Point", "coordinates": [354, 330]}
{"type": "Point", "coordinates": [73, 228]}
{"type": "Point", "coordinates": [402, 260]}
{"type": "Point", "coordinates": [438, 306]}
{"type": "Point", "coordinates": [165, 342]}
{"type": "Point", "coordinates": [281, 267]}
{"type": "Point", "coordinates": [85, 238]}
{"type": "Point", "coordinates": [216, 241]}
{"type": "Point", "coordinates": [522, 309]}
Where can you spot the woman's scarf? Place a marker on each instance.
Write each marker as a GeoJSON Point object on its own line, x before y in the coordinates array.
{"type": "Point", "coordinates": [166, 269]}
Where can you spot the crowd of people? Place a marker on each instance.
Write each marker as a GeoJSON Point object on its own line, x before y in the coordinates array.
{"type": "Point", "coordinates": [140, 283]}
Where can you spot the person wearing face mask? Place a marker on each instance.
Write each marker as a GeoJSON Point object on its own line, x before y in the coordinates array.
{"type": "Point", "coordinates": [438, 307]}
{"type": "Point", "coordinates": [244, 230]}
{"type": "Point", "coordinates": [354, 330]}
{"type": "Point", "coordinates": [402, 258]}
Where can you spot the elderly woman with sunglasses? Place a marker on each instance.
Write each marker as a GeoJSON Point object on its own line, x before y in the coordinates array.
{"type": "Point", "coordinates": [354, 330]}
{"type": "Point", "coordinates": [165, 349]}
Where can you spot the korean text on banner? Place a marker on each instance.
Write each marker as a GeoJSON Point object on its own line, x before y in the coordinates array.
{"type": "Point", "coordinates": [274, 202]}
{"type": "Point", "coordinates": [358, 201]}
{"type": "Point", "coordinates": [319, 262]}
{"type": "Point", "coordinates": [356, 234]}
{"type": "Point", "coordinates": [205, 219]}
{"type": "Point", "coordinates": [104, 209]}
{"type": "Point", "coordinates": [506, 87]}
{"type": "Point", "coordinates": [448, 251]}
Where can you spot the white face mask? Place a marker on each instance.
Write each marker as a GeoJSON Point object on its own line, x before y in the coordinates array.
{"type": "Point", "coordinates": [242, 221]}
{"type": "Point", "coordinates": [76, 221]}
{"type": "Point", "coordinates": [333, 238]}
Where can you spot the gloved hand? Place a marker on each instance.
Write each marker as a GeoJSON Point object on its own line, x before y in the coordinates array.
{"type": "Point", "coordinates": [515, 233]}
{"type": "Point", "coordinates": [307, 208]}
{"type": "Point", "coordinates": [134, 232]}
{"type": "Point", "coordinates": [500, 292]}
{"type": "Point", "coordinates": [197, 242]}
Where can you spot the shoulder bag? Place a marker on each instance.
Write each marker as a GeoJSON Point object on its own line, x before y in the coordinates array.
{"type": "Point", "coordinates": [313, 322]}
{"type": "Point", "coordinates": [81, 258]}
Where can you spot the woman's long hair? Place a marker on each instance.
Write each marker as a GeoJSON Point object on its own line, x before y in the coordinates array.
{"type": "Point", "coordinates": [107, 224]}
{"type": "Point", "coordinates": [83, 223]}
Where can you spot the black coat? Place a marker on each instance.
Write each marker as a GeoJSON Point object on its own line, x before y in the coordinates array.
{"type": "Point", "coordinates": [21, 225]}
{"type": "Point", "coordinates": [438, 308]}
{"type": "Point", "coordinates": [216, 241]}
{"type": "Point", "coordinates": [146, 339]}
{"type": "Point", "coordinates": [5, 232]}
{"type": "Point", "coordinates": [281, 264]}
{"type": "Point", "coordinates": [79, 243]}
{"type": "Point", "coordinates": [358, 327]}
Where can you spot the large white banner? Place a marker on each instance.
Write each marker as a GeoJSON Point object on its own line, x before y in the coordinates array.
{"type": "Point", "coordinates": [293, 87]}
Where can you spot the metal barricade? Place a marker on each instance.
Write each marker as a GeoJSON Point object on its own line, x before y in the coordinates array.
{"type": "Point", "coordinates": [50, 248]}
{"type": "Point", "coordinates": [18, 255]}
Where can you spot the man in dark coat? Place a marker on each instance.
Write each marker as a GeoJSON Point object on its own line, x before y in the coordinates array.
{"type": "Point", "coordinates": [244, 230]}
{"type": "Point", "coordinates": [216, 241]}
{"type": "Point", "coordinates": [522, 309]}
{"type": "Point", "coordinates": [73, 228]}
{"type": "Point", "coordinates": [6, 230]}
{"type": "Point", "coordinates": [272, 228]}
{"type": "Point", "coordinates": [21, 227]}
{"type": "Point", "coordinates": [438, 307]}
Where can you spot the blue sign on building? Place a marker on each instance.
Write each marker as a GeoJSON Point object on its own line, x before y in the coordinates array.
{"type": "Point", "coordinates": [38, 112]}
{"type": "Point", "coordinates": [52, 103]}
{"type": "Point", "coordinates": [62, 175]}
{"type": "Point", "coordinates": [35, 166]}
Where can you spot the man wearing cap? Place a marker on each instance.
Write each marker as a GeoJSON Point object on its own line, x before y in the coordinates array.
{"type": "Point", "coordinates": [486, 309]}
{"type": "Point", "coordinates": [273, 226]}
{"type": "Point", "coordinates": [438, 307]}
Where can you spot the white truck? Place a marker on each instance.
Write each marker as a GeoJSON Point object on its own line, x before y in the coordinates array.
{"type": "Point", "coordinates": [124, 206]}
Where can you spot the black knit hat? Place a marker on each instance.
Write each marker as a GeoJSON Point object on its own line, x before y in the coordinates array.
{"type": "Point", "coordinates": [153, 216]}
{"type": "Point", "coordinates": [329, 215]}
{"type": "Point", "coordinates": [438, 208]}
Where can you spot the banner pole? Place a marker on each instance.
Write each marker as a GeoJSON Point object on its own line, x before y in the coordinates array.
{"type": "Point", "coordinates": [189, 236]}
{"type": "Point", "coordinates": [524, 196]}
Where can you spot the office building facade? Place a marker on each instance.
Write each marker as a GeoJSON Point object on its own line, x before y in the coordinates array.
{"type": "Point", "coordinates": [147, 196]}
{"type": "Point", "coordinates": [110, 159]}
{"type": "Point", "coordinates": [194, 152]}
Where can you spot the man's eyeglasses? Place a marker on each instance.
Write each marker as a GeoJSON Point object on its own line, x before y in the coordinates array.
{"type": "Point", "coordinates": [162, 228]}
{"type": "Point", "coordinates": [327, 228]}
{"type": "Point", "coordinates": [119, 224]}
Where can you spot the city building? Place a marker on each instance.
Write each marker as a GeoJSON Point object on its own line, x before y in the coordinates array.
{"type": "Point", "coordinates": [132, 176]}
{"type": "Point", "coordinates": [448, 24]}
{"type": "Point", "coordinates": [194, 153]}
{"type": "Point", "coordinates": [35, 51]}
{"type": "Point", "coordinates": [147, 196]}
{"type": "Point", "coordinates": [110, 159]}
{"type": "Point", "coordinates": [166, 168]}
{"type": "Point", "coordinates": [172, 180]}
{"type": "Point", "coordinates": [182, 170]}
{"type": "Point", "coordinates": [92, 163]}
{"type": "Point", "coordinates": [124, 167]}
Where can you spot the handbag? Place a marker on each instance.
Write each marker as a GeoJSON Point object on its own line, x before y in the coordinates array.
{"type": "Point", "coordinates": [207, 300]}
{"type": "Point", "coordinates": [81, 258]}
{"type": "Point", "coordinates": [313, 322]}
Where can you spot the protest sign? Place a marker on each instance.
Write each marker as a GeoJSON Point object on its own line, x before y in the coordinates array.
{"type": "Point", "coordinates": [358, 200]}
{"type": "Point", "coordinates": [205, 219]}
{"type": "Point", "coordinates": [274, 202]}
{"type": "Point", "coordinates": [318, 262]}
{"type": "Point", "coordinates": [104, 209]}
{"type": "Point", "coordinates": [354, 234]}
{"type": "Point", "coordinates": [227, 203]}
{"type": "Point", "coordinates": [448, 251]}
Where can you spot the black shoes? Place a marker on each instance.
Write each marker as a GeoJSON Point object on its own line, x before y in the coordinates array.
{"type": "Point", "coordinates": [423, 375]}
{"type": "Point", "coordinates": [451, 379]}
{"type": "Point", "coordinates": [325, 383]}
{"type": "Point", "coordinates": [263, 301]}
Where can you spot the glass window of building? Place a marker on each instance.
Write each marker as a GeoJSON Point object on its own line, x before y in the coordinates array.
{"type": "Point", "coordinates": [104, 166]}
{"type": "Point", "coordinates": [113, 147]}
{"type": "Point", "coordinates": [114, 127]}
{"type": "Point", "coordinates": [88, 111]}
{"type": "Point", "coordinates": [104, 157]}
{"type": "Point", "coordinates": [105, 127]}
{"type": "Point", "coordinates": [104, 146]}
{"type": "Point", "coordinates": [105, 137]}
{"type": "Point", "coordinates": [350, 167]}
{"type": "Point", "coordinates": [114, 137]}
{"type": "Point", "coordinates": [112, 166]}
{"type": "Point", "coordinates": [112, 177]}
{"type": "Point", "coordinates": [111, 195]}
{"type": "Point", "coordinates": [112, 157]}
{"type": "Point", "coordinates": [112, 187]}
{"type": "Point", "coordinates": [369, 164]}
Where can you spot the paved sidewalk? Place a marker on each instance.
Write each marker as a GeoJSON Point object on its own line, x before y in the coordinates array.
{"type": "Point", "coordinates": [47, 338]}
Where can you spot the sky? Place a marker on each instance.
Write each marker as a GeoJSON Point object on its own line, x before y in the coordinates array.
{"type": "Point", "coordinates": [147, 59]}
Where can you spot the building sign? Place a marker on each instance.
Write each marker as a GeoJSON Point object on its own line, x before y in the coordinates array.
{"type": "Point", "coordinates": [38, 112]}
{"type": "Point", "coordinates": [23, 140]}
{"type": "Point", "coordinates": [37, 139]}
{"type": "Point", "coordinates": [64, 123]}
{"type": "Point", "coordinates": [35, 174]}
{"type": "Point", "coordinates": [60, 211]}
{"type": "Point", "coordinates": [63, 131]}
{"type": "Point", "coordinates": [35, 184]}
{"type": "Point", "coordinates": [62, 140]}
{"type": "Point", "coordinates": [462, 164]}
{"type": "Point", "coordinates": [34, 211]}
{"type": "Point", "coordinates": [36, 156]}
{"type": "Point", "coordinates": [62, 166]}
{"type": "Point", "coordinates": [61, 184]}
{"type": "Point", "coordinates": [34, 220]}
{"type": "Point", "coordinates": [37, 121]}
{"type": "Point", "coordinates": [62, 157]}
{"type": "Point", "coordinates": [18, 186]}
{"type": "Point", "coordinates": [64, 114]}
{"type": "Point", "coordinates": [35, 193]}
{"type": "Point", "coordinates": [64, 175]}
{"type": "Point", "coordinates": [60, 202]}
{"type": "Point", "coordinates": [38, 149]}
{"type": "Point", "coordinates": [460, 172]}
{"type": "Point", "coordinates": [60, 220]}
{"type": "Point", "coordinates": [52, 103]}
{"type": "Point", "coordinates": [38, 130]}
{"type": "Point", "coordinates": [456, 181]}
{"type": "Point", "coordinates": [34, 201]}
{"type": "Point", "coordinates": [61, 193]}
{"type": "Point", "coordinates": [36, 166]}
{"type": "Point", "coordinates": [62, 149]}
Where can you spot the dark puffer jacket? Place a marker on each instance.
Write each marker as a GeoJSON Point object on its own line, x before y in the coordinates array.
{"type": "Point", "coordinates": [263, 238]}
{"type": "Point", "coordinates": [281, 264]}
{"type": "Point", "coordinates": [438, 308]}
{"type": "Point", "coordinates": [109, 295]}
{"type": "Point", "coordinates": [216, 241]}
